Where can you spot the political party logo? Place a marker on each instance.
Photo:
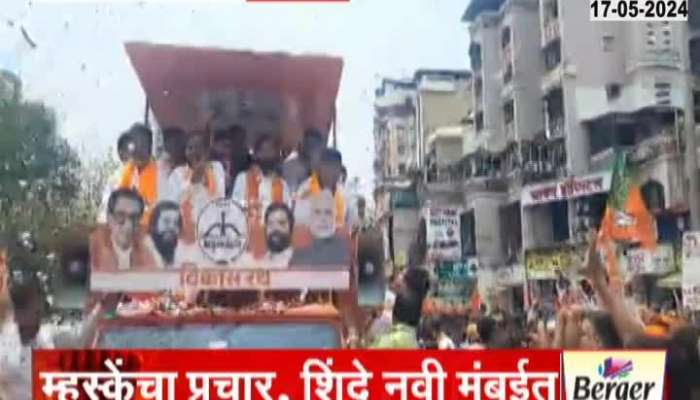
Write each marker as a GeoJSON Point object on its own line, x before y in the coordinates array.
{"type": "Point", "coordinates": [614, 375]}
{"type": "Point", "coordinates": [615, 368]}
{"type": "Point", "coordinates": [222, 231]}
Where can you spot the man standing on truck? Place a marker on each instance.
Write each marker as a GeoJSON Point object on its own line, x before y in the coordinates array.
{"type": "Point", "coordinates": [326, 177]}
{"type": "Point", "coordinates": [173, 155]}
{"type": "Point", "coordinates": [262, 184]}
{"type": "Point", "coordinates": [299, 168]}
{"type": "Point", "coordinates": [230, 148]}
{"type": "Point", "coordinates": [142, 173]}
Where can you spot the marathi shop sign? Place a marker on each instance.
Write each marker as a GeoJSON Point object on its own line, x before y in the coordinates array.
{"type": "Point", "coordinates": [455, 279]}
{"type": "Point", "coordinates": [570, 188]}
{"type": "Point", "coordinates": [443, 233]}
{"type": "Point", "coordinates": [691, 270]}
{"type": "Point", "coordinates": [541, 264]}
{"type": "Point", "coordinates": [656, 261]}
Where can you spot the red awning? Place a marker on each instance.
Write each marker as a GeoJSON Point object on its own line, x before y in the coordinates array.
{"type": "Point", "coordinates": [269, 93]}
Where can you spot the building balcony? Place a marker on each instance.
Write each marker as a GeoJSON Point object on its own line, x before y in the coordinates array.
{"type": "Point", "coordinates": [664, 144]}
{"type": "Point", "coordinates": [556, 127]}
{"type": "Point", "coordinates": [552, 79]}
{"type": "Point", "coordinates": [550, 32]}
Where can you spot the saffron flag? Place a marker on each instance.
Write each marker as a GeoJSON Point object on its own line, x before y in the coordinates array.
{"type": "Point", "coordinates": [626, 217]}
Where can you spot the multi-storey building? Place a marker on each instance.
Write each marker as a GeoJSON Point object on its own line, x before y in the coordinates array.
{"type": "Point", "coordinates": [419, 129]}
{"type": "Point", "coordinates": [395, 140]}
{"type": "Point", "coordinates": [548, 122]}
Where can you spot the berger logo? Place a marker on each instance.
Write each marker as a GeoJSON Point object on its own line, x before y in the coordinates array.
{"type": "Point", "coordinates": [615, 368]}
{"type": "Point", "coordinates": [614, 375]}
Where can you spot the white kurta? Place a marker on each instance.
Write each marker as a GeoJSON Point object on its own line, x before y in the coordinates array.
{"type": "Point", "coordinates": [240, 190]}
{"type": "Point", "coordinates": [16, 360]}
{"type": "Point", "coordinates": [180, 187]}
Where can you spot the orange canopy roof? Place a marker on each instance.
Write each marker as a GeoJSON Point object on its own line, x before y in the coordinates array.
{"type": "Point", "coordinates": [272, 93]}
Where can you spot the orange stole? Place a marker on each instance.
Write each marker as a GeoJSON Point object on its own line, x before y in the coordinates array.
{"type": "Point", "coordinates": [189, 230]}
{"type": "Point", "coordinates": [256, 227]}
{"type": "Point", "coordinates": [315, 189]}
{"type": "Point", "coordinates": [147, 185]}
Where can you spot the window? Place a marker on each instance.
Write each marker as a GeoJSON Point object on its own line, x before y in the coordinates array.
{"type": "Point", "coordinates": [401, 149]}
{"type": "Point", "coordinates": [695, 56]}
{"type": "Point", "coordinates": [626, 135]}
{"type": "Point", "coordinates": [508, 112]}
{"type": "Point", "coordinates": [468, 233]}
{"type": "Point", "coordinates": [608, 43]}
{"type": "Point", "coordinates": [511, 230]}
{"type": "Point", "coordinates": [613, 91]}
{"type": "Point", "coordinates": [552, 56]}
{"type": "Point", "coordinates": [560, 220]}
{"type": "Point", "coordinates": [402, 169]}
{"type": "Point", "coordinates": [653, 195]}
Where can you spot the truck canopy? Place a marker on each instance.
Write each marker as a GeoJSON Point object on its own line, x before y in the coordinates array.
{"type": "Point", "coordinates": [273, 93]}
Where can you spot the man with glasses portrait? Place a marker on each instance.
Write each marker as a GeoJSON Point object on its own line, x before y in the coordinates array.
{"type": "Point", "coordinates": [120, 245]}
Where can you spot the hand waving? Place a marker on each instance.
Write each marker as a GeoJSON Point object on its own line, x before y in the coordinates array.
{"type": "Point", "coordinates": [593, 268]}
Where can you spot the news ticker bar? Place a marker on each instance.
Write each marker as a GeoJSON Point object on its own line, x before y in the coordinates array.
{"type": "Point", "coordinates": [356, 375]}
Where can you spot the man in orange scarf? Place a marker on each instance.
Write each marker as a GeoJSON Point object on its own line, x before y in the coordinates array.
{"type": "Point", "coordinates": [141, 172]}
{"type": "Point", "coordinates": [327, 177]}
{"type": "Point", "coordinates": [260, 186]}
{"type": "Point", "coordinates": [262, 183]}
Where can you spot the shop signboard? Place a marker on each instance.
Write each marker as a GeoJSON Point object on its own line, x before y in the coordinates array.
{"type": "Point", "coordinates": [510, 275]}
{"type": "Point", "coordinates": [541, 264]}
{"type": "Point", "coordinates": [691, 270]}
{"type": "Point", "coordinates": [657, 261]}
{"type": "Point", "coordinates": [443, 234]}
{"type": "Point", "coordinates": [455, 278]}
{"type": "Point", "coordinates": [567, 189]}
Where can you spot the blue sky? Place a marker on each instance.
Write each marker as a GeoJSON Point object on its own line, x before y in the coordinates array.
{"type": "Point", "coordinates": [79, 67]}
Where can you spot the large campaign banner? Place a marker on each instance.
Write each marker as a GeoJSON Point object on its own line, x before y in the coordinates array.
{"type": "Point", "coordinates": [691, 270]}
{"type": "Point", "coordinates": [221, 244]}
{"type": "Point", "coordinates": [443, 234]}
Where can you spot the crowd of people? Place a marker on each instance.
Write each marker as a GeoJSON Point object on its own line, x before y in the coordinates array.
{"type": "Point", "coordinates": [297, 210]}
{"type": "Point", "coordinates": [611, 324]}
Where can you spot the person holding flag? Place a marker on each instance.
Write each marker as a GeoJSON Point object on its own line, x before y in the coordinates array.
{"type": "Point", "coordinates": [626, 219]}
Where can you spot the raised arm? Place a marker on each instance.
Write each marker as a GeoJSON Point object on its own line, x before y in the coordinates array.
{"type": "Point", "coordinates": [628, 327]}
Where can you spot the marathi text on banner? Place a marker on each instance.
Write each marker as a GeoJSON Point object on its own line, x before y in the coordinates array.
{"type": "Point", "coordinates": [455, 279]}
{"type": "Point", "coordinates": [224, 250]}
{"type": "Point", "coordinates": [691, 270]}
{"type": "Point", "coordinates": [443, 234]}
{"type": "Point", "coordinates": [541, 264]}
{"type": "Point", "coordinates": [657, 261]}
{"type": "Point", "coordinates": [569, 188]}
{"type": "Point", "coordinates": [308, 375]}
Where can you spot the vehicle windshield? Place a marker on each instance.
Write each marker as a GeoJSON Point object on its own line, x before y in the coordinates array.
{"type": "Point", "coordinates": [223, 336]}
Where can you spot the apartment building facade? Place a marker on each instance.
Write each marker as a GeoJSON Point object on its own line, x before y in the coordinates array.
{"type": "Point", "coordinates": [552, 105]}
{"type": "Point", "coordinates": [419, 129]}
